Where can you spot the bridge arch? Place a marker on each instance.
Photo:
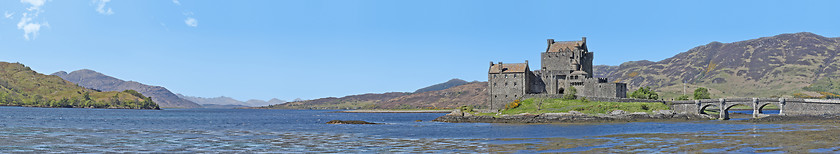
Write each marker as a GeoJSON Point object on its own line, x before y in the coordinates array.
{"type": "Point", "coordinates": [761, 106]}
{"type": "Point", "coordinates": [729, 105]}
{"type": "Point", "coordinates": [702, 109]}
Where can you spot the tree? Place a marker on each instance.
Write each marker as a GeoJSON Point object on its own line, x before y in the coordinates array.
{"type": "Point", "coordinates": [644, 93]}
{"type": "Point", "coordinates": [701, 93]}
{"type": "Point", "coordinates": [570, 94]}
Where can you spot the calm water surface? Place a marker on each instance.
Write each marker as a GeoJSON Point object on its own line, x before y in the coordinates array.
{"type": "Point", "coordinates": [25, 129]}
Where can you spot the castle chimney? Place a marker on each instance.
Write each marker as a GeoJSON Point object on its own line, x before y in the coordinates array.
{"type": "Point", "coordinates": [550, 41]}
{"type": "Point", "coordinates": [501, 67]}
{"type": "Point", "coordinates": [491, 63]}
{"type": "Point", "coordinates": [583, 39]}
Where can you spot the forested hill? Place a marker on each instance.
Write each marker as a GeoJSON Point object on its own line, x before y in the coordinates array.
{"type": "Point", "coordinates": [95, 80]}
{"type": "Point", "coordinates": [21, 86]}
{"type": "Point", "coordinates": [782, 65]}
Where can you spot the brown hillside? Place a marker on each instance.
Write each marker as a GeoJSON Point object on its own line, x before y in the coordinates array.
{"type": "Point", "coordinates": [471, 94]}
{"type": "Point", "coordinates": [780, 65]}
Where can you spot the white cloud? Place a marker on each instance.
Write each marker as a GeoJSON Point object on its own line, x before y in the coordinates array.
{"type": "Point", "coordinates": [8, 15]}
{"type": "Point", "coordinates": [176, 2]}
{"type": "Point", "coordinates": [36, 4]}
{"type": "Point", "coordinates": [192, 22]}
{"type": "Point", "coordinates": [30, 29]}
{"type": "Point", "coordinates": [100, 7]}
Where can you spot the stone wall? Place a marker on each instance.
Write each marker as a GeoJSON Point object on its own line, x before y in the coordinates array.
{"type": "Point", "coordinates": [555, 61]}
{"type": "Point", "coordinates": [506, 87]}
{"type": "Point", "coordinates": [811, 107]}
{"type": "Point", "coordinates": [595, 87]}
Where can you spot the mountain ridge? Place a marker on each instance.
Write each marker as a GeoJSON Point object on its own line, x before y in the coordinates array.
{"type": "Point", "coordinates": [95, 80]}
{"type": "Point", "coordinates": [780, 65]}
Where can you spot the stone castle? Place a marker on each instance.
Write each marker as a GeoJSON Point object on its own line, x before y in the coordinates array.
{"type": "Point", "coordinates": [564, 64]}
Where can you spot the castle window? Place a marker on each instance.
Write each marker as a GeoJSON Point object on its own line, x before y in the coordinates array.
{"type": "Point", "coordinates": [514, 75]}
{"type": "Point", "coordinates": [495, 95]}
{"type": "Point", "coordinates": [494, 84]}
{"type": "Point", "coordinates": [514, 83]}
{"type": "Point", "coordinates": [505, 83]}
{"type": "Point", "coordinates": [514, 96]}
{"type": "Point", "coordinates": [505, 75]}
{"type": "Point", "coordinates": [506, 96]}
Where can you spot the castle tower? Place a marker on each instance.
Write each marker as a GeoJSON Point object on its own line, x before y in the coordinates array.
{"type": "Point", "coordinates": [561, 62]}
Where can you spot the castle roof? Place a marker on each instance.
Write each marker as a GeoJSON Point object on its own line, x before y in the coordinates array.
{"type": "Point", "coordinates": [556, 46]}
{"type": "Point", "coordinates": [509, 68]}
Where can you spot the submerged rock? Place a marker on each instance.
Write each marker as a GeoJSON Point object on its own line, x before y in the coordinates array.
{"type": "Point", "coordinates": [349, 122]}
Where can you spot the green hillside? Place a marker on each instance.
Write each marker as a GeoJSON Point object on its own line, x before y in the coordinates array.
{"type": "Point", "coordinates": [21, 86]}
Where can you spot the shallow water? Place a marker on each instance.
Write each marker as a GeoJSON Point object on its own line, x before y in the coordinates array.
{"type": "Point", "coordinates": [250, 130]}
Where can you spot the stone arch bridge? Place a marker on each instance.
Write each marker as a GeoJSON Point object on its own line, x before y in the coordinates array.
{"type": "Point", "coordinates": [787, 106]}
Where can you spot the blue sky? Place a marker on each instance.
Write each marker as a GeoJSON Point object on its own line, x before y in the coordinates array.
{"type": "Point", "coordinates": [312, 48]}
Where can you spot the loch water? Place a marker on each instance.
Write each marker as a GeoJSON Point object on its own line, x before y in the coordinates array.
{"type": "Point", "coordinates": [73, 130]}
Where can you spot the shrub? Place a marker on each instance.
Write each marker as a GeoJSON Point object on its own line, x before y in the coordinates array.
{"type": "Point", "coordinates": [645, 107]}
{"type": "Point", "coordinates": [513, 104]}
{"type": "Point", "coordinates": [644, 93]}
{"type": "Point", "coordinates": [701, 93]}
{"type": "Point", "coordinates": [682, 97]}
{"type": "Point", "coordinates": [570, 94]}
{"type": "Point", "coordinates": [466, 109]}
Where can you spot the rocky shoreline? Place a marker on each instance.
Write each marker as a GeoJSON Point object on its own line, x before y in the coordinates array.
{"type": "Point", "coordinates": [457, 116]}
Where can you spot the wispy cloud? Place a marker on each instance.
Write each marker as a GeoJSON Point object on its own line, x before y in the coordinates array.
{"type": "Point", "coordinates": [30, 28]}
{"type": "Point", "coordinates": [36, 4]}
{"type": "Point", "coordinates": [100, 7]}
{"type": "Point", "coordinates": [8, 15]}
{"type": "Point", "coordinates": [192, 22]}
{"type": "Point", "coordinates": [176, 2]}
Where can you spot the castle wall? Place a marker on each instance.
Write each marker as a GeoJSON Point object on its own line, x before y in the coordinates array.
{"type": "Point", "coordinates": [506, 87]}
{"type": "Point", "coordinates": [596, 87]}
{"type": "Point", "coordinates": [535, 83]}
{"type": "Point", "coordinates": [555, 61]}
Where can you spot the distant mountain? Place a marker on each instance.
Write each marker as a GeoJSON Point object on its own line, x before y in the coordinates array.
{"type": "Point", "coordinates": [363, 101]}
{"type": "Point", "coordinates": [782, 65]}
{"type": "Point", "coordinates": [222, 100]}
{"type": "Point", "coordinates": [471, 94]}
{"type": "Point", "coordinates": [21, 86]}
{"type": "Point", "coordinates": [256, 102]}
{"type": "Point", "coordinates": [95, 80]}
{"type": "Point", "coordinates": [218, 106]}
{"type": "Point", "coordinates": [442, 86]}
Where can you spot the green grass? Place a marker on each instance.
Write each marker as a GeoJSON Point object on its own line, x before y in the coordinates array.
{"type": "Point", "coordinates": [587, 107]}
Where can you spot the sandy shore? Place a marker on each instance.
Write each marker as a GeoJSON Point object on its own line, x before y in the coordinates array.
{"type": "Point", "coordinates": [395, 111]}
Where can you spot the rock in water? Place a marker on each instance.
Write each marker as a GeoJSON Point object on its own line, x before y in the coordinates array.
{"type": "Point", "coordinates": [349, 122]}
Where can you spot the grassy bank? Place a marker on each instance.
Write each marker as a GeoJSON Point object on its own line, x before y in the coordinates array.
{"type": "Point", "coordinates": [538, 106]}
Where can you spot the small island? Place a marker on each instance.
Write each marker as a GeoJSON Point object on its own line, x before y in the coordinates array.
{"type": "Point", "coordinates": [559, 110]}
